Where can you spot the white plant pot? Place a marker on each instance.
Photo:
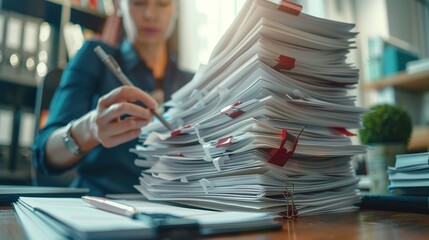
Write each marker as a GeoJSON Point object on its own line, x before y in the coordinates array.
{"type": "Point", "coordinates": [379, 157]}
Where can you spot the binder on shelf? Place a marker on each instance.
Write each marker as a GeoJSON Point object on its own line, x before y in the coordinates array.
{"type": "Point", "coordinates": [45, 59]}
{"type": "Point", "coordinates": [100, 7]}
{"type": "Point", "coordinates": [29, 50]}
{"type": "Point", "coordinates": [12, 45]}
{"type": "Point", "coordinates": [2, 35]}
{"type": "Point", "coordinates": [74, 38]}
{"type": "Point", "coordinates": [92, 4]}
{"type": "Point", "coordinates": [25, 139]}
{"type": "Point", "coordinates": [108, 7]}
{"type": "Point", "coordinates": [76, 2]}
{"type": "Point", "coordinates": [6, 123]}
{"type": "Point", "coordinates": [84, 3]}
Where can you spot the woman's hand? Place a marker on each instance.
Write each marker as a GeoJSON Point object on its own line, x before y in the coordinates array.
{"type": "Point", "coordinates": [105, 123]}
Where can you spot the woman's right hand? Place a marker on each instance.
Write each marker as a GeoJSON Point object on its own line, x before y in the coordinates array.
{"type": "Point", "coordinates": [106, 124]}
{"type": "Point", "coordinates": [103, 125]}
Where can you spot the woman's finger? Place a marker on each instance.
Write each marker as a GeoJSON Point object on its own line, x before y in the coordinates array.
{"type": "Point", "coordinates": [122, 126]}
{"type": "Point", "coordinates": [127, 94]}
{"type": "Point", "coordinates": [113, 112]}
{"type": "Point", "coordinates": [120, 138]}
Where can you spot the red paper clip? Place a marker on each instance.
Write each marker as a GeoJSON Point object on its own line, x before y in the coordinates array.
{"type": "Point", "coordinates": [231, 111]}
{"type": "Point", "coordinates": [285, 63]}
{"type": "Point", "coordinates": [224, 142]}
{"type": "Point", "coordinates": [279, 156]}
{"type": "Point", "coordinates": [343, 131]}
{"type": "Point", "coordinates": [290, 7]}
{"type": "Point", "coordinates": [178, 132]}
{"type": "Point", "coordinates": [177, 155]}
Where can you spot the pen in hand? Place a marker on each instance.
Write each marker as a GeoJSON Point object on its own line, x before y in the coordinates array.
{"type": "Point", "coordinates": [114, 67]}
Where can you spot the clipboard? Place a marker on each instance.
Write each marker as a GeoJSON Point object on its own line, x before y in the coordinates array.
{"type": "Point", "coordinates": [72, 217]}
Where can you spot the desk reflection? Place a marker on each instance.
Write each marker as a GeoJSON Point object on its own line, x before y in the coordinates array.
{"type": "Point", "coordinates": [361, 225]}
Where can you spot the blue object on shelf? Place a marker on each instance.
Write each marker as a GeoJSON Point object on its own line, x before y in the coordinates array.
{"type": "Point", "coordinates": [395, 59]}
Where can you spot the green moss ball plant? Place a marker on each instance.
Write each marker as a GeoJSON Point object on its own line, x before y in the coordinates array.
{"type": "Point", "coordinates": [386, 124]}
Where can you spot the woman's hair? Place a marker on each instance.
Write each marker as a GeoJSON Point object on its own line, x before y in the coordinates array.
{"type": "Point", "coordinates": [173, 20]}
{"type": "Point", "coordinates": [129, 32]}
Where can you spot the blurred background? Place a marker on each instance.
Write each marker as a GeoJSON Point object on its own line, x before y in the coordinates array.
{"type": "Point", "coordinates": [38, 37]}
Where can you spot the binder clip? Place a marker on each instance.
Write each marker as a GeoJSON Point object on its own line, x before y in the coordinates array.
{"type": "Point", "coordinates": [204, 145]}
{"type": "Point", "coordinates": [180, 122]}
{"type": "Point", "coordinates": [199, 95]}
{"type": "Point", "coordinates": [290, 7]}
{"type": "Point", "coordinates": [223, 93]}
{"type": "Point", "coordinates": [291, 210]}
{"type": "Point", "coordinates": [220, 161]}
{"type": "Point", "coordinates": [207, 185]}
{"type": "Point", "coordinates": [206, 148]}
{"type": "Point", "coordinates": [279, 156]}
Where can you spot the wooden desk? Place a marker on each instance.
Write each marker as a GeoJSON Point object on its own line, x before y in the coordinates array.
{"type": "Point", "coordinates": [366, 224]}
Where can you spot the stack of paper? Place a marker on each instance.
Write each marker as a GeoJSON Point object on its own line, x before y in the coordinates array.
{"type": "Point", "coordinates": [262, 127]}
{"type": "Point", "coordinates": [410, 174]}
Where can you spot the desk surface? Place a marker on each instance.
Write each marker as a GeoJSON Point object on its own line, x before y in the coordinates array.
{"type": "Point", "coordinates": [366, 224]}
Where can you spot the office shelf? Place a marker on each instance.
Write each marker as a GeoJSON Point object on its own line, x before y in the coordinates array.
{"type": "Point", "coordinates": [419, 139]}
{"type": "Point", "coordinates": [18, 87]}
{"type": "Point", "coordinates": [17, 94]}
{"type": "Point", "coordinates": [80, 8]}
{"type": "Point", "coordinates": [418, 82]}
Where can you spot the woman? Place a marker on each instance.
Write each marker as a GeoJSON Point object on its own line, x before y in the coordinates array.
{"type": "Point", "coordinates": [93, 120]}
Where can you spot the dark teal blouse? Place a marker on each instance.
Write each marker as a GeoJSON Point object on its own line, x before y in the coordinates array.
{"type": "Point", "coordinates": [84, 80]}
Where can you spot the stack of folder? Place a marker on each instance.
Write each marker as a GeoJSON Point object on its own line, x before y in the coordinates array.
{"type": "Point", "coordinates": [411, 174]}
{"type": "Point", "coordinates": [264, 126]}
